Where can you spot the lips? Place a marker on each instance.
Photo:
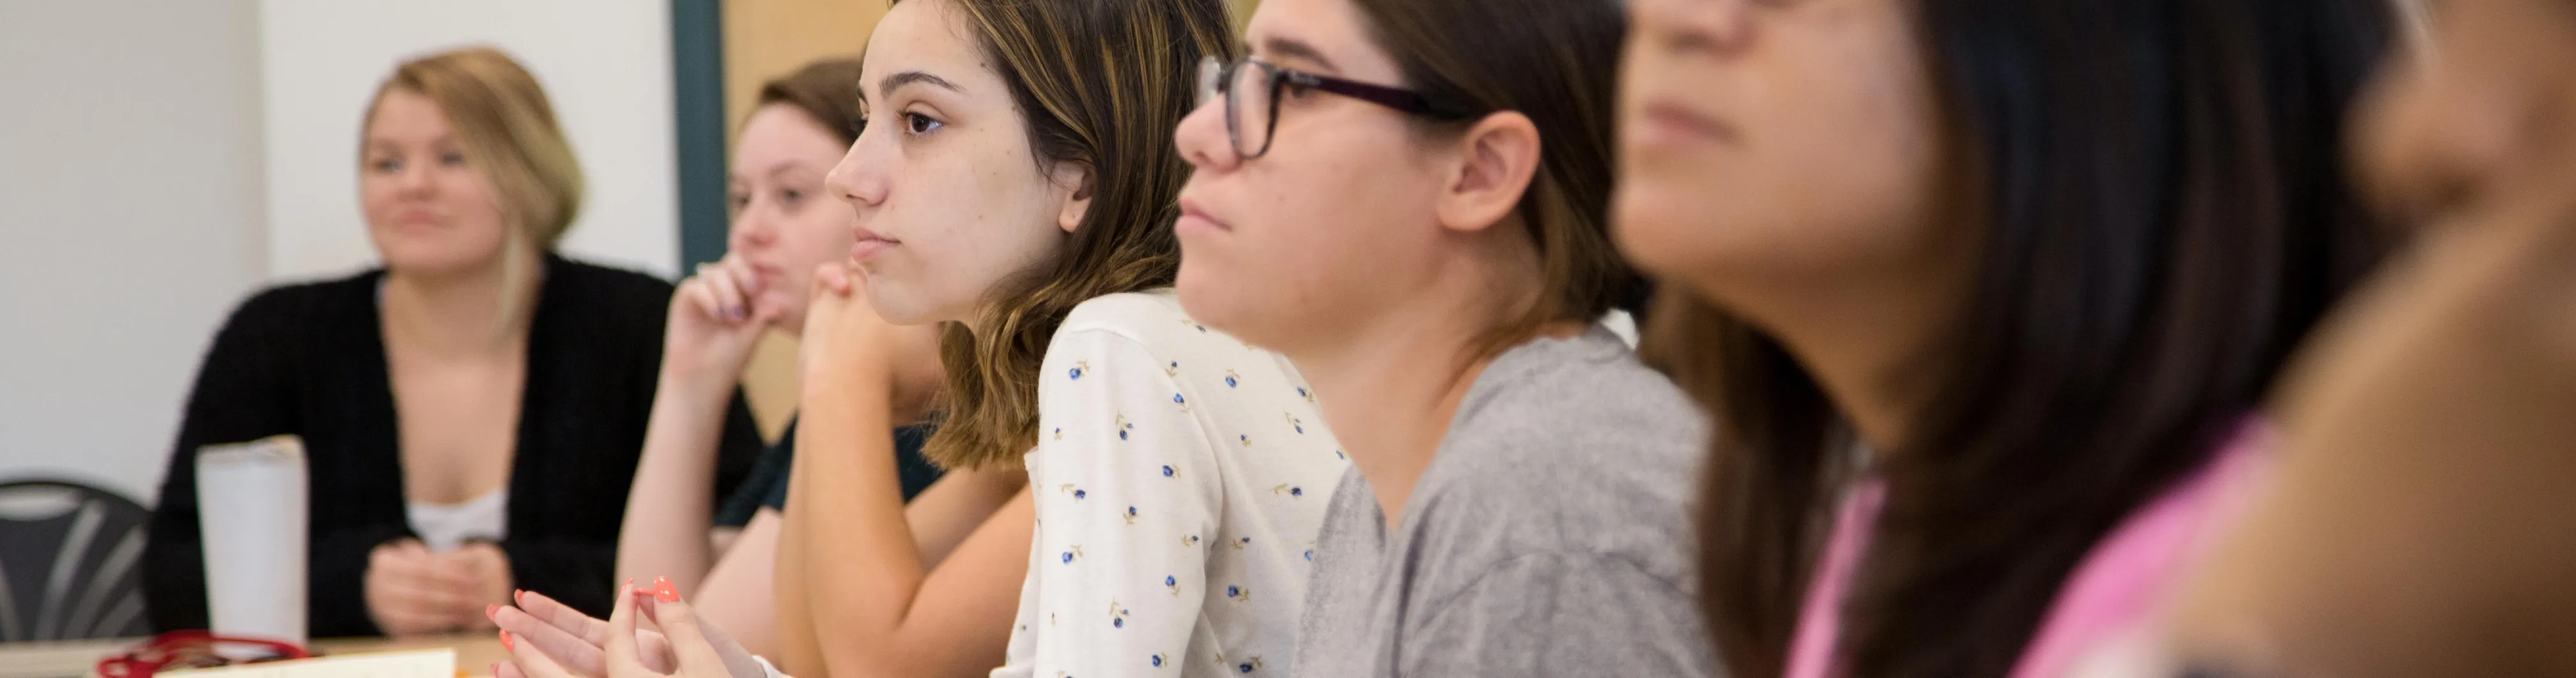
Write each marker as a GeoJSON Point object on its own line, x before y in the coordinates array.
{"type": "Point", "coordinates": [869, 244]}
{"type": "Point", "coordinates": [1664, 122]}
{"type": "Point", "coordinates": [1194, 219]}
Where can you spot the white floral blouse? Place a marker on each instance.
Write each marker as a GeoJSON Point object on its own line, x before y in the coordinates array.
{"type": "Point", "coordinates": [1180, 478]}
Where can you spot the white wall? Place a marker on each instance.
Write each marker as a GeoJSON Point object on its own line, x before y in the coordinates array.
{"type": "Point", "coordinates": [129, 223]}
{"type": "Point", "coordinates": [606, 65]}
{"type": "Point", "coordinates": [162, 159]}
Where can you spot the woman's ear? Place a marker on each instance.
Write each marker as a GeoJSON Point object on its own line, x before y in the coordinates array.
{"type": "Point", "coordinates": [1075, 178]}
{"type": "Point", "coordinates": [1497, 157]}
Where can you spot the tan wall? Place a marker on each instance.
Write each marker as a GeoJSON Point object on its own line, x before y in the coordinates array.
{"type": "Point", "coordinates": [765, 39]}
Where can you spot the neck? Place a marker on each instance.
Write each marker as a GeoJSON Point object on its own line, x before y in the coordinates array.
{"type": "Point", "coordinates": [1390, 387]}
{"type": "Point", "coordinates": [463, 312]}
{"type": "Point", "coordinates": [1869, 346]}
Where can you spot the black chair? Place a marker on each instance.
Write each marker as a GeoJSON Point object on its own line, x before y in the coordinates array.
{"type": "Point", "coordinates": [69, 562]}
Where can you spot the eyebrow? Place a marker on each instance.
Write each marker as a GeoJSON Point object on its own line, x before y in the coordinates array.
{"type": "Point", "coordinates": [891, 82]}
{"type": "Point", "coordinates": [1292, 48]}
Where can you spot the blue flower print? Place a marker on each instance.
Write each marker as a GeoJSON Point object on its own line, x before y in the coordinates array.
{"type": "Point", "coordinates": [1246, 541]}
{"type": "Point", "coordinates": [1071, 554]}
{"type": "Point", "coordinates": [1157, 660]}
{"type": "Point", "coordinates": [1117, 615]}
{"type": "Point", "coordinates": [1122, 426]}
{"type": "Point", "coordinates": [1172, 370]}
{"type": "Point", "coordinates": [1247, 440]}
{"type": "Point", "coordinates": [1131, 515]}
{"type": "Point", "coordinates": [1287, 489]}
{"type": "Point", "coordinates": [1167, 470]}
{"type": "Point", "coordinates": [1184, 404]}
{"type": "Point", "coordinates": [1337, 454]}
{"type": "Point", "coordinates": [1172, 583]}
{"type": "Point", "coordinates": [1230, 379]}
{"type": "Point", "coordinates": [1294, 422]}
{"type": "Point", "coordinates": [1303, 393]}
{"type": "Point", "coordinates": [1079, 367]}
{"type": "Point", "coordinates": [1248, 666]}
{"type": "Point", "coordinates": [1059, 433]}
{"type": "Point", "coordinates": [1310, 555]}
{"type": "Point", "coordinates": [1069, 488]}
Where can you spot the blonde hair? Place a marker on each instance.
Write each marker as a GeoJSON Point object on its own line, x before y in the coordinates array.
{"type": "Point", "coordinates": [508, 132]}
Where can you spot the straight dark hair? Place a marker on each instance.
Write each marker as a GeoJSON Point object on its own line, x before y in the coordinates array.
{"type": "Point", "coordinates": [1556, 62]}
{"type": "Point", "coordinates": [2164, 218]}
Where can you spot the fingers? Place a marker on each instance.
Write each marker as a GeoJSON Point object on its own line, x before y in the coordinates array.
{"type": "Point", "coordinates": [718, 294]}
{"type": "Point", "coordinates": [833, 277]}
{"type": "Point", "coordinates": [680, 628]}
{"type": "Point", "coordinates": [531, 661]}
{"type": "Point", "coordinates": [568, 649]}
{"type": "Point", "coordinates": [589, 629]}
{"type": "Point", "coordinates": [621, 658]}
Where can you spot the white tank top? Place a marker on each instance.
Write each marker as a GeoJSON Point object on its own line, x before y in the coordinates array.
{"type": "Point", "coordinates": [446, 526]}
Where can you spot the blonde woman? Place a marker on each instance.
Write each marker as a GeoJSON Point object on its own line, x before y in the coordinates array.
{"type": "Point", "coordinates": [474, 384]}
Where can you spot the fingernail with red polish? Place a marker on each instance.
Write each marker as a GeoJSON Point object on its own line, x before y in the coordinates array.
{"type": "Point", "coordinates": [663, 591]}
{"type": "Point", "coordinates": [506, 643]}
{"type": "Point", "coordinates": [492, 612]}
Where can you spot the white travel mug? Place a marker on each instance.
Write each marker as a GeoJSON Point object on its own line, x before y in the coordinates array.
{"type": "Point", "coordinates": [251, 508]}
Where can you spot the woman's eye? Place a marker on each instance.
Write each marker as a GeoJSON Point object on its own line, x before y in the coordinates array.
{"type": "Point", "coordinates": [791, 197]}
{"type": "Point", "coordinates": [452, 159]}
{"type": "Point", "coordinates": [387, 165]}
{"type": "Point", "coordinates": [858, 126]}
{"type": "Point", "coordinates": [920, 124]}
{"type": "Point", "coordinates": [739, 201]}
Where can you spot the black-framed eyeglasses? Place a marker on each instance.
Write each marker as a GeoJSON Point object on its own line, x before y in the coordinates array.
{"type": "Point", "coordinates": [1252, 90]}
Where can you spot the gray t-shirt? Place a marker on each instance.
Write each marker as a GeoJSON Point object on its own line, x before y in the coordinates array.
{"type": "Point", "coordinates": [1549, 537]}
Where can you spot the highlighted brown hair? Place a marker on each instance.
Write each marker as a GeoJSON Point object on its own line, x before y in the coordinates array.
{"type": "Point", "coordinates": [1102, 84]}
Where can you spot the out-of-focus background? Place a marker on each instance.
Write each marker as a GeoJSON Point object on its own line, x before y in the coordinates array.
{"type": "Point", "coordinates": [162, 159]}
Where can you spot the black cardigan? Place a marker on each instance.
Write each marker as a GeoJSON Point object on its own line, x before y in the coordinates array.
{"type": "Point", "coordinates": [310, 360]}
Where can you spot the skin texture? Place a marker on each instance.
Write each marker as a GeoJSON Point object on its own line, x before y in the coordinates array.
{"type": "Point", "coordinates": [948, 203]}
{"type": "Point", "coordinates": [455, 353]}
{"type": "Point", "coordinates": [1781, 160]}
{"type": "Point", "coordinates": [785, 225]}
{"type": "Point", "coordinates": [2420, 521]}
{"type": "Point", "coordinates": [1370, 253]}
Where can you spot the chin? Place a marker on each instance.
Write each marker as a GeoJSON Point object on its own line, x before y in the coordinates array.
{"type": "Point", "coordinates": [899, 303]}
{"type": "Point", "coordinates": [1654, 233]}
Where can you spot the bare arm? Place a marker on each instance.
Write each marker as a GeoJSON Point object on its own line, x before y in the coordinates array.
{"type": "Point", "coordinates": [853, 558]}
{"type": "Point", "coordinates": [707, 341]}
{"type": "Point", "coordinates": [665, 533]}
{"type": "Point", "coordinates": [739, 593]}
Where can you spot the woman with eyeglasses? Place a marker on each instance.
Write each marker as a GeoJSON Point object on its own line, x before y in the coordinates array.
{"type": "Point", "coordinates": [1015, 179]}
{"type": "Point", "coordinates": [1408, 198]}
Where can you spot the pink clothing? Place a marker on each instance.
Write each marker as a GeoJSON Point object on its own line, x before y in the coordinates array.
{"type": "Point", "coordinates": [2111, 593]}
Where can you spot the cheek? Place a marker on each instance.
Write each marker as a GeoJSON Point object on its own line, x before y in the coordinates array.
{"type": "Point", "coordinates": [1837, 168]}
{"type": "Point", "coordinates": [1312, 239]}
{"type": "Point", "coordinates": [963, 232]}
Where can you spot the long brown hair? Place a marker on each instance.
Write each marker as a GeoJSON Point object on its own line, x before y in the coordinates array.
{"type": "Point", "coordinates": [1555, 62]}
{"type": "Point", "coordinates": [2164, 217]}
{"type": "Point", "coordinates": [1102, 83]}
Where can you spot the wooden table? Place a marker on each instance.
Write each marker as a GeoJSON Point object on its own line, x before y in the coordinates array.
{"type": "Point", "coordinates": [475, 654]}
